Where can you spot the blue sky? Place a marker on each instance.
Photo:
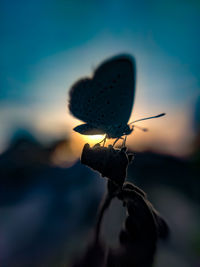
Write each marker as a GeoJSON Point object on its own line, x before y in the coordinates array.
{"type": "Point", "coordinates": [46, 45]}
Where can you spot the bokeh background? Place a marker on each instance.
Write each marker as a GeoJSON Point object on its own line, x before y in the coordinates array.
{"type": "Point", "coordinates": [48, 200]}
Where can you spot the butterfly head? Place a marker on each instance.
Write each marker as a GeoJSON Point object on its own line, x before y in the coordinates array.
{"type": "Point", "coordinates": [128, 129]}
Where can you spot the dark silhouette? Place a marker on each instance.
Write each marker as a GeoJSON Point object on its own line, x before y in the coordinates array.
{"type": "Point", "coordinates": [47, 211]}
{"type": "Point", "coordinates": [143, 225]}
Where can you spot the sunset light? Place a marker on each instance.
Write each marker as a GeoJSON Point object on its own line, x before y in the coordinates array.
{"type": "Point", "coordinates": [93, 139]}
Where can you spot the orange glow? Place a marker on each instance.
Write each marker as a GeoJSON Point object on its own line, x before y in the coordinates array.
{"type": "Point", "coordinates": [67, 152]}
{"type": "Point", "coordinates": [64, 155]}
{"type": "Point", "coordinates": [93, 139]}
{"type": "Point", "coordinates": [171, 134]}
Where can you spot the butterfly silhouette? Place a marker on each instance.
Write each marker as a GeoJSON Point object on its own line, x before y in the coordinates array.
{"type": "Point", "coordinates": [104, 102]}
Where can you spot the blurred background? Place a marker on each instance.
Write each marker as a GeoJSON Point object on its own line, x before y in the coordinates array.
{"type": "Point", "coordinates": [48, 201]}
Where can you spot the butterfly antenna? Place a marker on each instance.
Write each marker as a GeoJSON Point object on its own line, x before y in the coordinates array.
{"type": "Point", "coordinates": [153, 117]}
{"type": "Point", "coordinates": [141, 128]}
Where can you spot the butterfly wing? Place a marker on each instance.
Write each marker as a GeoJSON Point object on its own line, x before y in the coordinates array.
{"type": "Point", "coordinates": [81, 100]}
{"type": "Point", "coordinates": [87, 129]}
{"type": "Point", "coordinates": [107, 98]}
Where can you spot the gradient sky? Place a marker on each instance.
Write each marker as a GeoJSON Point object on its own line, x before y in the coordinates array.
{"type": "Point", "coordinates": [47, 45]}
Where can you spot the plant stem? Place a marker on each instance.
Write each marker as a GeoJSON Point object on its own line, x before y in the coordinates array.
{"type": "Point", "coordinates": [105, 203]}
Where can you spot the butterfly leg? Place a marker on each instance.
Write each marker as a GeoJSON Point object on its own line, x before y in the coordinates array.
{"type": "Point", "coordinates": [116, 140]}
{"type": "Point", "coordinates": [124, 141]}
{"type": "Point", "coordinates": [104, 140]}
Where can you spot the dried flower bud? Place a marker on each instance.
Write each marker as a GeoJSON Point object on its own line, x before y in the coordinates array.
{"type": "Point", "coordinates": [111, 163]}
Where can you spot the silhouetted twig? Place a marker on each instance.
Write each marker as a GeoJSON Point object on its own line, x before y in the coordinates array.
{"type": "Point", "coordinates": [103, 206]}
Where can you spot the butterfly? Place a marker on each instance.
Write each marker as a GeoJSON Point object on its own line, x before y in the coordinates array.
{"type": "Point", "coordinates": [104, 101]}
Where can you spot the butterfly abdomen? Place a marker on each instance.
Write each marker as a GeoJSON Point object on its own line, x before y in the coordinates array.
{"type": "Point", "coordinates": [116, 131]}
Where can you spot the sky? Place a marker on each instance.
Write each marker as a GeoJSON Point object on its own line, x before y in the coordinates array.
{"type": "Point", "coordinates": [45, 46]}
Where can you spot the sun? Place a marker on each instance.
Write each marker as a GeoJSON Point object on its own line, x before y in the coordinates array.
{"type": "Point", "coordinates": [93, 139]}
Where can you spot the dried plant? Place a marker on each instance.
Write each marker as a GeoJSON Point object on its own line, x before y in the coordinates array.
{"type": "Point", "coordinates": [143, 224]}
